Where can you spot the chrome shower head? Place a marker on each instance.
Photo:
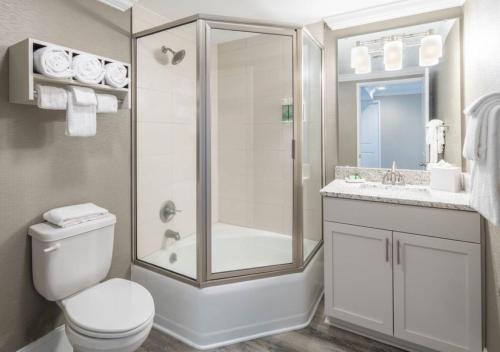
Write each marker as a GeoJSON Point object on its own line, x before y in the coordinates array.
{"type": "Point", "coordinates": [177, 57]}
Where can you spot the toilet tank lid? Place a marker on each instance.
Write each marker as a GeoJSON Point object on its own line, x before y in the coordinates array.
{"type": "Point", "coordinates": [47, 232]}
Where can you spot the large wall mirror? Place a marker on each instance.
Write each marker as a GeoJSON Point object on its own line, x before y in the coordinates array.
{"type": "Point", "coordinates": [399, 96]}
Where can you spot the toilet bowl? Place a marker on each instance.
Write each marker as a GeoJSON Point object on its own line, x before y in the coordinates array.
{"type": "Point", "coordinates": [116, 315]}
{"type": "Point", "coordinates": [69, 266]}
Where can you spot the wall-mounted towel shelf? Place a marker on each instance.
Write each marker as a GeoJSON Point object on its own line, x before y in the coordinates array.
{"type": "Point", "coordinates": [23, 78]}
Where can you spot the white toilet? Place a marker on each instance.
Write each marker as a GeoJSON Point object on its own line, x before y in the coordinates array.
{"type": "Point", "coordinates": [68, 267]}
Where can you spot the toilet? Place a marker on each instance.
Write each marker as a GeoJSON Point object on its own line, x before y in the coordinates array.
{"type": "Point", "coordinates": [69, 266]}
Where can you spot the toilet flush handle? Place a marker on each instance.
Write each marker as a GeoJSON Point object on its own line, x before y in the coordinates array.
{"type": "Point", "coordinates": [52, 248]}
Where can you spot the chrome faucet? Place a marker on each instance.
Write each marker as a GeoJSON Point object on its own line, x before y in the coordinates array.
{"type": "Point", "coordinates": [393, 176]}
{"type": "Point", "coordinates": [172, 234]}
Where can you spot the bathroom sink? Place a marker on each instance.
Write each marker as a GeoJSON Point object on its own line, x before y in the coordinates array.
{"type": "Point", "coordinates": [395, 188]}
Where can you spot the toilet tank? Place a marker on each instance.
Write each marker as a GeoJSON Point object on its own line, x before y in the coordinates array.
{"type": "Point", "coordinates": [66, 260]}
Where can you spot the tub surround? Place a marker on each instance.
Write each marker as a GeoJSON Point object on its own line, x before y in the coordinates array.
{"type": "Point", "coordinates": [225, 314]}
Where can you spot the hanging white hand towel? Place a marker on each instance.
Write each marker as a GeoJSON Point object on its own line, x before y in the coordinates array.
{"type": "Point", "coordinates": [81, 112]}
{"type": "Point", "coordinates": [53, 62]}
{"type": "Point", "coordinates": [483, 136]}
{"type": "Point", "coordinates": [474, 143]}
{"type": "Point", "coordinates": [74, 214]}
{"type": "Point", "coordinates": [432, 139]}
{"type": "Point", "coordinates": [106, 103]}
{"type": "Point", "coordinates": [116, 75]}
{"type": "Point", "coordinates": [88, 69]}
{"type": "Point", "coordinates": [51, 98]}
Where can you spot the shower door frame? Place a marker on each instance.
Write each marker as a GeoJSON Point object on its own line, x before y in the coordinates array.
{"type": "Point", "coordinates": [204, 277]}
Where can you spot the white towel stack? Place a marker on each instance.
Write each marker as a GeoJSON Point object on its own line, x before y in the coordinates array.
{"type": "Point", "coordinates": [88, 69]}
{"type": "Point", "coordinates": [53, 62]}
{"type": "Point", "coordinates": [81, 112]}
{"type": "Point", "coordinates": [482, 147]}
{"type": "Point", "coordinates": [51, 98]}
{"type": "Point", "coordinates": [74, 214]}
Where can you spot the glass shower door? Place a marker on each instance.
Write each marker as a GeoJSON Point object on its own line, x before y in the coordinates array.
{"type": "Point", "coordinates": [252, 167]}
{"type": "Point", "coordinates": [166, 150]}
{"type": "Point", "coordinates": [312, 146]}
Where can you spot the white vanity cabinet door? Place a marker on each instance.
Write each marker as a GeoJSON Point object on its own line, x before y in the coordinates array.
{"type": "Point", "coordinates": [358, 276]}
{"type": "Point", "coordinates": [437, 292]}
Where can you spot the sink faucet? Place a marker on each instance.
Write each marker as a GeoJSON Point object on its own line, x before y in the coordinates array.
{"type": "Point", "coordinates": [393, 176]}
{"type": "Point", "coordinates": [172, 234]}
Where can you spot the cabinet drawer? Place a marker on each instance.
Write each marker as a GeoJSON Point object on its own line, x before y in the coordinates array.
{"type": "Point", "coordinates": [444, 223]}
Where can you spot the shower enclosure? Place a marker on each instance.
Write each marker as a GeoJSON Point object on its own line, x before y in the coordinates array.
{"type": "Point", "coordinates": [228, 152]}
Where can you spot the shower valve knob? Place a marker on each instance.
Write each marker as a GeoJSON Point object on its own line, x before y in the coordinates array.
{"type": "Point", "coordinates": [168, 211]}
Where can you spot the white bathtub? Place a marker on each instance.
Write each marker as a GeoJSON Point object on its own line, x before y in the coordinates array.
{"type": "Point", "coordinates": [220, 315]}
{"type": "Point", "coordinates": [233, 248]}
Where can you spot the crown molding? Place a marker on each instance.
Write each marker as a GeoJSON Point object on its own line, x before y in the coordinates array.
{"type": "Point", "coordinates": [388, 11]}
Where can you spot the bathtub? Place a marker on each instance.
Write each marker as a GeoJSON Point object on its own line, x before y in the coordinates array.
{"type": "Point", "coordinates": [233, 248]}
{"type": "Point", "coordinates": [211, 317]}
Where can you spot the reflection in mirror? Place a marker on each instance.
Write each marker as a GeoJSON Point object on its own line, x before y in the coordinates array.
{"type": "Point", "coordinates": [399, 96]}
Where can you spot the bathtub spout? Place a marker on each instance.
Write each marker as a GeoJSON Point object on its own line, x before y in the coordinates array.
{"type": "Point", "coordinates": [173, 234]}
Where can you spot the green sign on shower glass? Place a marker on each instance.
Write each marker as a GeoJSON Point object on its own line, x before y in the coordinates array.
{"type": "Point", "coordinates": [286, 110]}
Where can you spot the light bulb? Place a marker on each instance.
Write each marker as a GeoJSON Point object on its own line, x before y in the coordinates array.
{"type": "Point", "coordinates": [431, 50]}
{"type": "Point", "coordinates": [361, 60]}
{"type": "Point", "coordinates": [393, 55]}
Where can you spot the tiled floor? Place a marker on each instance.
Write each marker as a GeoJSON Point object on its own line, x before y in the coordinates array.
{"type": "Point", "coordinates": [317, 337]}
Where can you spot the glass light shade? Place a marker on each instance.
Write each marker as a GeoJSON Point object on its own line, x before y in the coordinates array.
{"type": "Point", "coordinates": [366, 67]}
{"type": "Point", "coordinates": [393, 55]}
{"type": "Point", "coordinates": [431, 50]}
{"type": "Point", "coordinates": [361, 60]}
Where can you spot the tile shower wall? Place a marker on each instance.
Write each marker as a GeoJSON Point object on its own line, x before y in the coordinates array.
{"type": "Point", "coordinates": [254, 166]}
{"type": "Point", "coordinates": [166, 137]}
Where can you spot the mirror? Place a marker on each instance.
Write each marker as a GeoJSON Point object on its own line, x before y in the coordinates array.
{"type": "Point", "coordinates": [399, 96]}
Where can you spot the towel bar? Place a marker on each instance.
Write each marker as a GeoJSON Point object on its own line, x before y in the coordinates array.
{"type": "Point", "coordinates": [35, 94]}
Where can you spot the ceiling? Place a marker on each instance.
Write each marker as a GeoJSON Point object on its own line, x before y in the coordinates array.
{"type": "Point", "coordinates": [292, 11]}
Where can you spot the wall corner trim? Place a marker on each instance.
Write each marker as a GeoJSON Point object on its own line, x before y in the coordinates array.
{"type": "Point", "coordinates": [54, 341]}
{"type": "Point", "coordinates": [388, 11]}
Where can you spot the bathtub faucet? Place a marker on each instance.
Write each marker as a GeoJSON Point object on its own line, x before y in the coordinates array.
{"type": "Point", "coordinates": [172, 234]}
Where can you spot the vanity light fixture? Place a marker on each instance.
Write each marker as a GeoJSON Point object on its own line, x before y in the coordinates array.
{"type": "Point", "coordinates": [391, 49]}
{"type": "Point", "coordinates": [431, 50]}
{"type": "Point", "coordinates": [361, 60]}
{"type": "Point", "coordinates": [393, 54]}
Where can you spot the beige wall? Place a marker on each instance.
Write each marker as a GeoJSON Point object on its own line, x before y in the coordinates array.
{"type": "Point", "coordinates": [448, 95]}
{"type": "Point", "coordinates": [42, 168]}
{"type": "Point", "coordinates": [482, 76]}
{"type": "Point", "coordinates": [255, 171]}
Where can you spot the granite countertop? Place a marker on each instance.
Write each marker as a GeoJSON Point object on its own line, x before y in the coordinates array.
{"type": "Point", "coordinates": [418, 195]}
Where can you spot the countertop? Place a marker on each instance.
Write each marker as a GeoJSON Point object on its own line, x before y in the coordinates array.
{"type": "Point", "coordinates": [418, 195]}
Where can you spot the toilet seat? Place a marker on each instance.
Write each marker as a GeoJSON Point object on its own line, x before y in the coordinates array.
{"type": "Point", "coordinates": [113, 309]}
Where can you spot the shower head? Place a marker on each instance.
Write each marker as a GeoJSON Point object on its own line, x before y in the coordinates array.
{"type": "Point", "coordinates": [177, 57]}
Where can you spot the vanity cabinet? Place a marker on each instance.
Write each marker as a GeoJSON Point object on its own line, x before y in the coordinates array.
{"type": "Point", "coordinates": [412, 288]}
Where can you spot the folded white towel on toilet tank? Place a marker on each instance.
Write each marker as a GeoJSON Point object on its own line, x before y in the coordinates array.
{"type": "Point", "coordinates": [74, 214]}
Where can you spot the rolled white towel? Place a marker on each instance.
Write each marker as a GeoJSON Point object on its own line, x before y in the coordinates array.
{"type": "Point", "coordinates": [74, 214]}
{"type": "Point", "coordinates": [88, 69]}
{"type": "Point", "coordinates": [53, 62]}
{"type": "Point", "coordinates": [106, 103]}
{"type": "Point", "coordinates": [116, 75]}
{"type": "Point", "coordinates": [52, 98]}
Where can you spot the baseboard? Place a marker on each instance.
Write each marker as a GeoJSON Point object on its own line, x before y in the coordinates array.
{"type": "Point", "coordinates": [54, 341]}
{"type": "Point", "coordinates": [245, 338]}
